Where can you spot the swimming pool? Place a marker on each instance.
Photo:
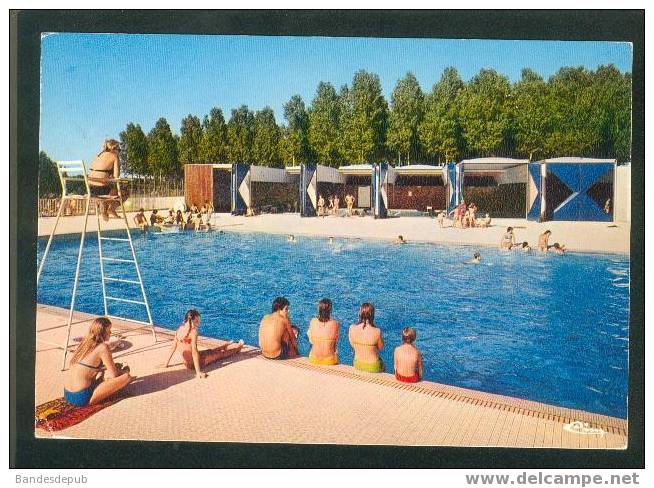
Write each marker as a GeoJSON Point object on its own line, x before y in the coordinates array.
{"type": "Point", "coordinates": [537, 326]}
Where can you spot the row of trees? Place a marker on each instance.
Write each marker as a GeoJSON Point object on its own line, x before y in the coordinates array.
{"type": "Point", "coordinates": [576, 112]}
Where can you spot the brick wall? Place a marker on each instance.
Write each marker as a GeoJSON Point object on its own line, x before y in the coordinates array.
{"type": "Point", "coordinates": [417, 197]}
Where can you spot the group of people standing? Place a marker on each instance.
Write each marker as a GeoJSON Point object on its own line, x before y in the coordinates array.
{"type": "Point", "coordinates": [192, 218]}
{"type": "Point", "coordinates": [465, 216]}
{"type": "Point", "coordinates": [278, 340]}
{"type": "Point", "coordinates": [334, 205]}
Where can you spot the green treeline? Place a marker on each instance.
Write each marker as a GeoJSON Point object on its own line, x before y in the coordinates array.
{"type": "Point", "coordinates": [576, 112]}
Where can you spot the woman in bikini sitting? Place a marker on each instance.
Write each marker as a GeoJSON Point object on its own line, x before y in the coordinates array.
{"type": "Point", "coordinates": [323, 335]}
{"type": "Point", "coordinates": [169, 221]}
{"type": "Point", "coordinates": [366, 340]}
{"type": "Point", "coordinates": [93, 376]}
{"type": "Point", "coordinates": [106, 166]}
{"type": "Point", "coordinates": [186, 338]}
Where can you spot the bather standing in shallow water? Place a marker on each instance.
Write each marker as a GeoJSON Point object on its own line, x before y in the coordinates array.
{"type": "Point", "coordinates": [366, 340]}
{"type": "Point", "coordinates": [543, 241]}
{"type": "Point", "coordinates": [508, 239]}
{"type": "Point", "coordinates": [323, 335]}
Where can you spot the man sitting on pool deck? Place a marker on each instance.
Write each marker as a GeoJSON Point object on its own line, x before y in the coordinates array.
{"type": "Point", "coordinates": [277, 339]}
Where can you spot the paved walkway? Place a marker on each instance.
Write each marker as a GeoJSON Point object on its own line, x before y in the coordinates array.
{"type": "Point", "coordinates": [578, 236]}
{"type": "Point", "coordinates": [251, 399]}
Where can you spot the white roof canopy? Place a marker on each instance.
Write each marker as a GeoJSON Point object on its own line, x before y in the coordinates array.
{"type": "Point", "coordinates": [491, 164]}
{"type": "Point", "coordinates": [356, 170]}
{"type": "Point", "coordinates": [327, 174]}
{"type": "Point", "coordinates": [419, 170]}
{"type": "Point", "coordinates": [575, 160]}
{"type": "Point", "coordinates": [223, 166]}
{"type": "Point", "coordinates": [270, 175]}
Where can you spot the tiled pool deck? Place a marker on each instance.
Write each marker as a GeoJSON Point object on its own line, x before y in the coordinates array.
{"type": "Point", "coordinates": [250, 399]}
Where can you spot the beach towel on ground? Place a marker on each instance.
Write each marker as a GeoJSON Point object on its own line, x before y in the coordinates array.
{"type": "Point", "coordinates": [58, 414]}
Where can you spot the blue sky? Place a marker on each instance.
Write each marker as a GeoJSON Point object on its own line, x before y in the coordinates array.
{"type": "Point", "coordinates": [92, 85]}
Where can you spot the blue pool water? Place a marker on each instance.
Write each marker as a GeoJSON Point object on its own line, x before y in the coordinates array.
{"type": "Point", "coordinates": [537, 326]}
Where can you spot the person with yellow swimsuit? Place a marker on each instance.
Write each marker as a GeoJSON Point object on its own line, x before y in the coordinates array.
{"type": "Point", "coordinates": [366, 340]}
{"type": "Point", "coordinates": [323, 335]}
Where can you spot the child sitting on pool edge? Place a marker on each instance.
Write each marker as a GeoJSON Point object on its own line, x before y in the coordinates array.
{"type": "Point", "coordinates": [407, 359]}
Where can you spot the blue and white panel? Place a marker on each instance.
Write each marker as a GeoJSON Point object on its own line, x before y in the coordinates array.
{"type": "Point", "coordinates": [308, 190]}
{"type": "Point", "coordinates": [459, 183]}
{"type": "Point", "coordinates": [450, 176]}
{"type": "Point", "coordinates": [579, 178]}
{"type": "Point", "coordinates": [241, 194]}
{"type": "Point", "coordinates": [534, 191]}
{"type": "Point", "coordinates": [379, 190]}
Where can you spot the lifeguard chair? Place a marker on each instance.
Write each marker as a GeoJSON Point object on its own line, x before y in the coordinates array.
{"type": "Point", "coordinates": [75, 171]}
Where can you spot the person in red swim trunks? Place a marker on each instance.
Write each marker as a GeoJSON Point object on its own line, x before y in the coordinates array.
{"type": "Point", "coordinates": [407, 359]}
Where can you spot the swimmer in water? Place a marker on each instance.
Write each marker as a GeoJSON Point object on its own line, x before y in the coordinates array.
{"type": "Point", "coordinates": [525, 247]}
{"type": "Point", "coordinates": [331, 240]}
{"type": "Point", "coordinates": [400, 240]}
{"type": "Point", "coordinates": [291, 238]}
{"type": "Point", "coordinates": [558, 248]}
{"type": "Point", "coordinates": [476, 258]}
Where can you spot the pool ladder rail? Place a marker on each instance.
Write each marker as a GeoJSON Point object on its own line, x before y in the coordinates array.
{"type": "Point", "coordinates": [76, 171]}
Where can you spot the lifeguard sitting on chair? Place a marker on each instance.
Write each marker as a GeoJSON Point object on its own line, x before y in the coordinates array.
{"type": "Point", "coordinates": [106, 166]}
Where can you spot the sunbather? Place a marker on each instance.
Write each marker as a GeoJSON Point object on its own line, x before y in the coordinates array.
{"type": "Point", "coordinates": [156, 220]}
{"type": "Point", "coordinates": [186, 338]}
{"type": "Point", "coordinates": [485, 222]}
{"type": "Point", "coordinates": [93, 376]}
{"type": "Point", "coordinates": [170, 218]}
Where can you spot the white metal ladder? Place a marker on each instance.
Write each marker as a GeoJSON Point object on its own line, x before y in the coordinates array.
{"type": "Point", "coordinates": [76, 171]}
